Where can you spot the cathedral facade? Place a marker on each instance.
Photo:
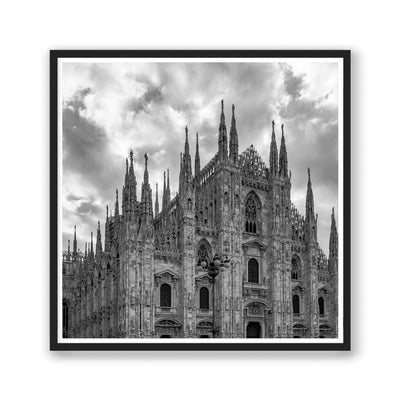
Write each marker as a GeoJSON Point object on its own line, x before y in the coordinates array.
{"type": "Point", "coordinates": [152, 279]}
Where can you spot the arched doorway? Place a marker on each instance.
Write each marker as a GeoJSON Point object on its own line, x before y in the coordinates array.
{"type": "Point", "coordinates": [253, 330]}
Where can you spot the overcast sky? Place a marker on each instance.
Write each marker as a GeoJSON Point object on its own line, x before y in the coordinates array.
{"type": "Point", "coordinates": [110, 108]}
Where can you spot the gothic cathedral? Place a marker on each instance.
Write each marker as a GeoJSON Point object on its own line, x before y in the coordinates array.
{"type": "Point", "coordinates": [152, 279]}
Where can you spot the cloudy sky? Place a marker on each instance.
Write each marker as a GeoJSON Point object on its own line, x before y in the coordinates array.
{"type": "Point", "coordinates": [112, 107]}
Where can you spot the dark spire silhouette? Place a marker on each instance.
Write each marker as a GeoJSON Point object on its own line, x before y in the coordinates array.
{"type": "Point", "coordinates": [98, 240]}
{"type": "Point", "coordinates": [283, 161]}
{"type": "Point", "coordinates": [91, 245]}
{"type": "Point", "coordinates": [75, 251]}
{"type": "Point", "coordinates": [164, 198]}
{"type": "Point", "coordinates": [273, 153]}
{"type": "Point", "coordinates": [197, 157]}
{"type": "Point", "coordinates": [186, 166]}
{"type": "Point", "coordinates": [233, 139]}
{"type": "Point", "coordinates": [223, 137]}
{"type": "Point", "coordinates": [333, 239]}
{"type": "Point", "coordinates": [146, 200]}
{"type": "Point", "coordinates": [168, 189]}
{"type": "Point", "coordinates": [310, 197]}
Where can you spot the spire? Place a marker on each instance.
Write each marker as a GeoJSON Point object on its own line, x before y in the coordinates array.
{"type": "Point", "coordinates": [146, 209]}
{"type": "Point", "coordinates": [333, 240]}
{"type": "Point", "coordinates": [75, 252]}
{"type": "Point", "coordinates": [164, 198]}
{"type": "Point", "coordinates": [222, 138]}
{"type": "Point", "coordinates": [168, 189]}
{"type": "Point", "coordinates": [233, 136]}
{"type": "Point", "coordinates": [197, 157]}
{"type": "Point", "coordinates": [107, 212]}
{"type": "Point", "coordinates": [310, 197]}
{"type": "Point", "coordinates": [156, 206]}
{"type": "Point", "coordinates": [126, 171]}
{"type": "Point", "coordinates": [186, 141]}
{"type": "Point", "coordinates": [98, 240]}
{"type": "Point", "coordinates": [146, 173]}
{"type": "Point", "coordinates": [283, 162]}
{"type": "Point", "coordinates": [91, 244]}
{"type": "Point", "coordinates": [273, 153]}
{"type": "Point", "coordinates": [131, 166]}
{"type": "Point", "coordinates": [185, 176]}
{"type": "Point", "coordinates": [86, 254]}
{"type": "Point", "coordinates": [69, 251]}
{"type": "Point", "coordinates": [116, 203]}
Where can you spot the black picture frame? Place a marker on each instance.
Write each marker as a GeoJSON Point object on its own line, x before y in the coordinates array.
{"type": "Point", "coordinates": [206, 346]}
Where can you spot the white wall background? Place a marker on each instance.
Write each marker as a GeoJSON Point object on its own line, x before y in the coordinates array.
{"type": "Point", "coordinates": [28, 29]}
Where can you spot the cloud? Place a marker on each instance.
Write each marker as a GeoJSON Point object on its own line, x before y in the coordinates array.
{"type": "Point", "coordinates": [110, 108]}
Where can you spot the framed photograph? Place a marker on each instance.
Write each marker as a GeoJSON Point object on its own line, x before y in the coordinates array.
{"type": "Point", "coordinates": [200, 200]}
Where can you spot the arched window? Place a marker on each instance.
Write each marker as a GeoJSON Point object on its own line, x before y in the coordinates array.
{"type": "Point", "coordinates": [252, 207]}
{"type": "Point", "coordinates": [252, 271]}
{"type": "Point", "coordinates": [296, 304]}
{"type": "Point", "coordinates": [296, 273]}
{"type": "Point", "coordinates": [321, 305]}
{"type": "Point", "coordinates": [165, 295]}
{"type": "Point", "coordinates": [204, 299]}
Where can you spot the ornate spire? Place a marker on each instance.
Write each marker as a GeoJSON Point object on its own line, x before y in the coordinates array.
{"type": "Point", "coordinates": [185, 175]}
{"type": "Point", "coordinates": [107, 212]}
{"type": "Point", "coordinates": [197, 157]}
{"type": "Point", "coordinates": [126, 171]}
{"type": "Point", "coordinates": [116, 203]}
{"type": "Point", "coordinates": [186, 141]}
{"type": "Point", "coordinates": [273, 153]}
{"type": "Point", "coordinates": [283, 162]}
{"type": "Point", "coordinates": [168, 189]}
{"type": "Point", "coordinates": [156, 206]}
{"type": "Point", "coordinates": [233, 136]}
{"type": "Point", "coordinates": [310, 197]}
{"type": "Point", "coordinates": [147, 200]}
{"type": "Point", "coordinates": [75, 251]}
{"type": "Point", "coordinates": [86, 253]}
{"type": "Point", "coordinates": [98, 240]}
{"type": "Point", "coordinates": [131, 157]}
{"type": "Point", "coordinates": [146, 173]}
{"type": "Point", "coordinates": [91, 244]}
{"type": "Point", "coordinates": [333, 239]}
{"type": "Point", "coordinates": [164, 198]}
{"type": "Point", "coordinates": [222, 138]}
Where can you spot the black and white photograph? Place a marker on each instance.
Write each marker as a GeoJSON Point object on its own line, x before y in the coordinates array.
{"type": "Point", "coordinates": [200, 200]}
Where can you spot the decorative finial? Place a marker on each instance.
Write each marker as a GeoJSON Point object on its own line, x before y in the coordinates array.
{"type": "Point", "coordinates": [282, 129]}
{"type": "Point", "coordinates": [116, 194]}
{"type": "Point", "coordinates": [222, 105]}
{"type": "Point", "coordinates": [333, 210]}
{"type": "Point", "coordinates": [98, 225]}
{"type": "Point", "coordinates": [146, 157]}
{"type": "Point", "coordinates": [233, 109]}
{"type": "Point", "coordinates": [273, 126]}
{"type": "Point", "coordinates": [309, 175]}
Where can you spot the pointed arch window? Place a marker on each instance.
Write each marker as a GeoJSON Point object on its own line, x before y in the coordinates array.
{"type": "Point", "coordinates": [296, 304]}
{"type": "Point", "coordinates": [165, 295]}
{"type": "Point", "coordinates": [204, 298]}
{"type": "Point", "coordinates": [253, 271]}
{"type": "Point", "coordinates": [296, 270]}
{"type": "Point", "coordinates": [252, 211]}
{"type": "Point", "coordinates": [321, 305]}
